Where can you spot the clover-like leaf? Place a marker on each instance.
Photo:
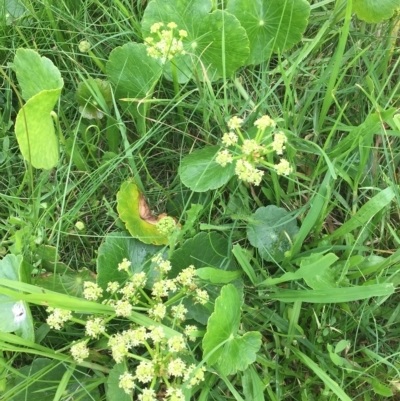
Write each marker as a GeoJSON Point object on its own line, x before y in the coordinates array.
{"type": "Point", "coordinates": [200, 172]}
{"type": "Point", "coordinates": [135, 213]}
{"type": "Point", "coordinates": [375, 11]}
{"type": "Point", "coordinates": [88, 91]}
{"type": "Point", "coordinates": [271, 230]}
{"type": "Point", "coordinates": [35, 130]}
{"type": "Point", "coordinates": [132, 72]}
{"type": "Point", "coordinates": [221, 343]}
{"type": "Point", "coordinates": [35, 73]}
{"type": "Point", "coordinates": [15, 316]}
{"type": "Point", "coordinates": [271, 25]}
{"type": "Point", "coordinates": [215, 42]}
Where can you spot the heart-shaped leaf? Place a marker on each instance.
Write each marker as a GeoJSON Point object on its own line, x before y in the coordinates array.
{"type": "Point", "coordinates": [35, 73]}
{"type": "Point", "coordinates": [271, 25]}
{"type": "Point", "coordinates": [136, 215]}
{"type": "Point", "coordinates": [271, 230]}
{"type": "Point", "coordinates": [215, 42]}
{"type": "Point", "coordinates": [132, 72]}
{"type": "Point", "coordinates": [200, 172]}
{"type": "Point", "coordinates": [35, 131]}
{"type": "Point", "coordinates": [15, 316]}
{"type": "Point", "coordinates": [375, 11]}
{"type": "Point", "coordinates": [221, 343]}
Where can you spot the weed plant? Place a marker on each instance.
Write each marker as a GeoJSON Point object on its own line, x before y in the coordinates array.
{"type": "Point", "coordinates": [293, 277]}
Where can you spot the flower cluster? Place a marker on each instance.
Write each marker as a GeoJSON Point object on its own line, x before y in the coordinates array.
{"type": "Point", "coordinates": [166, 358]}
{"type": "Point", "coordinates": [165, 362]}
{"type": "Point", "coordinates": [167, 43]}
{"type": "Point", "coordinates": [166, 225]}
{"type": "Point", "coordinates": [57, 317]}
{"type": "Point", "coordinates": [250, 153]}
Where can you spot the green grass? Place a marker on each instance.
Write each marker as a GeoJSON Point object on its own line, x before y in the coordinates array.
{"type": "Point", "coordinates": [343, 74]}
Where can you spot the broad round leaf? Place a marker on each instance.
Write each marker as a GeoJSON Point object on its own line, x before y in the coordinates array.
{"type": "Point", "coordinates": [15, 316]}
{"type": "Point", "coordinates": [34, 119]}
{"type": "Point", "coordinates": [200, 172]}
{"type": "Point", "coordinates": [216, 41]}
{"type": "Point", "coordinates": [238, 351]}
{"type": "Point", "coordinates": [70, 282]}
{"type": "Point", "coordinates": [203, 250]}
{"type": "Point", "coordinates": [271, 25]}
{"type": "Point", "coordinates": [35, 73]}
{"type": "Point", "coordinates": [375, 11]}
{"type": "Point", "coordinates": [114, 249]}
{"type": "Point", "coordinates": [133, 211]}
{"type": "Point", "coordinates": [271, 230]}
{"type": "Point", "coordinates": [132, 72]}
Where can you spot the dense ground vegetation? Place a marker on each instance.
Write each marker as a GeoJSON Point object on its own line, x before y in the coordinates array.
{"type": "Point", "coordinates": [318, 303]}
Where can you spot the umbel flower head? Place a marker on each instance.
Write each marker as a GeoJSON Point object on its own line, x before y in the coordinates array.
{"type": "Point", "coordinates": [167, 43]}
{"type": "Point", "coordinates": [248, 154]}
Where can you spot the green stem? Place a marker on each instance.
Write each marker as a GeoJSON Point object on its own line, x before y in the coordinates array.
{"type": "Point", "coordinates": [88, 144]}
{"type": "Point", "coordinates": [176, 89]}
{"type": "Point", "coordinates": [60, 38]}
{"type": "Point", "coordinates": [30, 169]}
{"type": "Point", "coordinates": [335, 66]}
{"type": "Point", "coordinates": [57, 122]}
{"type": "Point", "coordinates": [243, 92]}
{"type": "Point", "coordinates": [97, 62]}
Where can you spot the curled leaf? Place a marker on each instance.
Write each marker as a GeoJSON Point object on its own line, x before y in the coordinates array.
{"type": "Point", "coordinates": [137, 216]}
{"type": "Point", "coordinates": [94, 97]}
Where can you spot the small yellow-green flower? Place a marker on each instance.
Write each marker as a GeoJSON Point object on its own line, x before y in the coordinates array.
{"type": "Point", "coordinates": [148, 394]}
{"type": "Point", "coordinates": [235, 122]}
{"type": "Point", "coordinates": [95, 327]}
{"type": "Point", "coordinates": [176, 344]}
{"type": "Point", "coordinates": [80, 351]}
{"type": "Point", "coordinates": [145, 371]}
{"type": "Point", "coordinates": [91, 291]}
{"type": "Point", "coordinates": [166, 225]}
{"type": "Point", "coordinates": [278, 145]}
{"type": "Point", "coordinates": [168, 42]}
{"type": "Point", "coordinates": [157, 312]}
{"type": "Point", "coordinates": [176, 367]}
{"type": "Point", "coordinates": [264, 122]}
{"type": "Point", "coordinates": [84, 46]}
{"type": "Point", "coordinates": [223, 158]}
{"type": "Point", "coordinates": [57, 317]}
{"type": "Point", "coordinates": [246, 172]}
{"type": "Point", "coordinates": [124, 265]}
{"type": "Point", "coordinates": [283, 167]}
{"type": "Point", "coordinates": [229, 139]}
{"type": "Point", "coordinates": [126, 382]}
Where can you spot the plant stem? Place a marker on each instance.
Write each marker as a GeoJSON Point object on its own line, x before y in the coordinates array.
{"type": "Point", "coordinates": [176, 89]}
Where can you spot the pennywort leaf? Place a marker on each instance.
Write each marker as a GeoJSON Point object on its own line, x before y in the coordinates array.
{"type": "Point", "coordinates": [221, 344]}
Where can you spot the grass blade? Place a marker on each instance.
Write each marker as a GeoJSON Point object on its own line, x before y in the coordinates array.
{"type": "Point", "coordinates": [334, 295]}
